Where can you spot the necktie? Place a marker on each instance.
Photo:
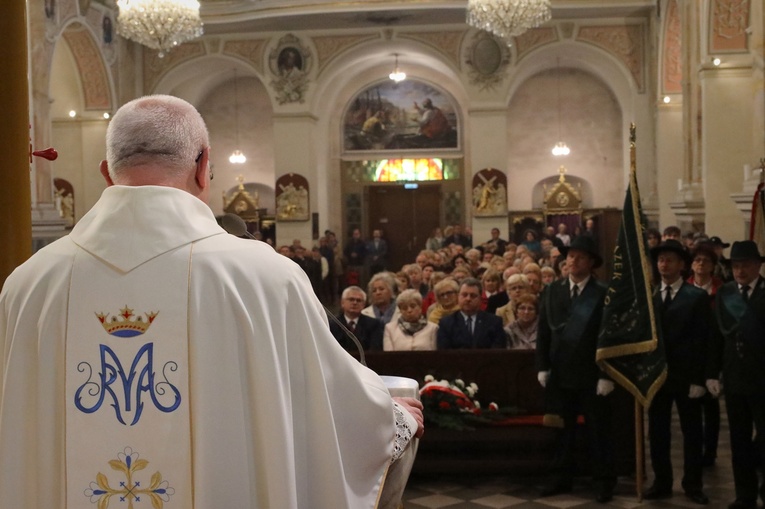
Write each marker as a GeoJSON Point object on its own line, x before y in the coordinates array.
{"type": "Point", "coordinates": [667, 296]}
{"type": "Point", "coordinates": [469, 324]}
{"type": "Point", "coordinates": [352, 326]}
{"type": "Point", "coordinates": [745, 292]}
{"type": "Point", "coordinates": [575, 292]}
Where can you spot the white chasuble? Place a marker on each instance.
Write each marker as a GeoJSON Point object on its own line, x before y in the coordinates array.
{"type": "Point", "coordinates": [128, 438]}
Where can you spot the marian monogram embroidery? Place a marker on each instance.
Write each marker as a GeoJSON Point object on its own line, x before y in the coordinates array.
{"type": "Point", "coordinates": [125, 386]}
{"type": "Point", "coordinates": [130, 490]}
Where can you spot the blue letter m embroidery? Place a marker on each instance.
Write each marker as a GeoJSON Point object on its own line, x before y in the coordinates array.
{"type": "Point", "coordinates": [140, 379]}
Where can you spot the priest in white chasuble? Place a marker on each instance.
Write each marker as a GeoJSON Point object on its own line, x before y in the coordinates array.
{"type": "Point", "coordinates": [150, 359]}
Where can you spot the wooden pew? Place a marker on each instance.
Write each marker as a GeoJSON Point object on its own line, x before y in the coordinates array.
{"type": "Point", "coordinates": [509, 378]}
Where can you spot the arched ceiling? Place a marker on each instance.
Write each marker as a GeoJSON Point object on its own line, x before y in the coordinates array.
{"type": "Point", "coordinates": [229, 16]}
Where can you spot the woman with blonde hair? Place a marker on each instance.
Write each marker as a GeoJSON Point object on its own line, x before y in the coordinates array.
{"type": "Point", "coordinates": [515, 286]}
{"type": "Point", "coordinates": [446, 300]}
{"type": "Point", "coordinates": [382, 298]}
{"type": "Point", "coordinates": [411, 331]}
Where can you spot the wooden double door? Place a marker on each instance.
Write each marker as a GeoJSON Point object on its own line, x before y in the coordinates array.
{"type": "Point", "coordinates": [406, 218]}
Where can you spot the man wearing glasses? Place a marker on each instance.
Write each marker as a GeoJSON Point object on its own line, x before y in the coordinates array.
{"type": "Point", "coordinates": [368, 330]}
{"type": "Point", "coordinates": [151, 356]}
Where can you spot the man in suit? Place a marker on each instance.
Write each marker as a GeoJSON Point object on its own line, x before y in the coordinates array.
{"type": "Point", "coordinates": [457, 238]}
{"type": "Point", "coordinates": [683, 310]}
{"type": "Point", "coordinates": [738, 351]}
{"type": "Point", "coordinates": [369, 331]}
{"type": "Point", "coordinates": [495, 244]}
{"type": "Point", "coordinates": [570, 315]}
{"type": "Point", "coordinates": [470, 327]}
{"type": "Point", "coordinates": [376, 252]}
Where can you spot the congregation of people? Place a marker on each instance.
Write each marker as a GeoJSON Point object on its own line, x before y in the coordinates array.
{"type": "Point", "coordinates": [542, 294]}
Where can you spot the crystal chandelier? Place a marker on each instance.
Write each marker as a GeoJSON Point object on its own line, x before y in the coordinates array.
{"type": "Point", "coordinates": [397, 75]}
{"type": "Point", "coordinates": [507, 18]}
{"type": "Point", "coordinates": [236, 157]}
{"type": "Point", "coordinates": [159, 24]}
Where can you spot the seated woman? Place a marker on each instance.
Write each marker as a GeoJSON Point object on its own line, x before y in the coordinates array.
{"type": "Point", "coordinates": [515, 286]}
{"type": "Point", "coordinates": [403, 281]}
{"type": "Point", "coordinates": [446, 300]}
{"type": "Point", "coordinates": [491, 281]}
{"type": "Point", "coordinates": [522, 333]}
{"type": "Point", "coordinates": [382, 295]}
{"type": "Point", "coordinates": [411, 331]}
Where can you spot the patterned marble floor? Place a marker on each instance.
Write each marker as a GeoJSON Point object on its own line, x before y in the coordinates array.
{"type": "Point", "coordinates": [429, 492]}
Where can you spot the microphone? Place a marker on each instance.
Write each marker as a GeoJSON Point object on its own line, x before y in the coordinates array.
{"type": "Point", "coordinates": [236, 226]}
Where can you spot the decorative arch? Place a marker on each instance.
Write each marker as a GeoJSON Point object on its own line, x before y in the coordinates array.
{"type": "Point", "coordinates": [94, 77]}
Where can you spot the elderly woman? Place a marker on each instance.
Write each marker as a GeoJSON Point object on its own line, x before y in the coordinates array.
{"type": "Point", "coordinates": [446, 300]}
{"type": "Point", "coordinates": [382, 293]}
{"type": "Point", "coordinates": [411, 331]}
{"type": "Point", "coordinates": [515, 286]}
{"type": "Point", "coordinates": [522, 333]}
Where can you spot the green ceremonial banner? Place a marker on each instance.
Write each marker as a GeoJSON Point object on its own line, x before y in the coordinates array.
{"type": "Point", "coordinates": [629, 346]}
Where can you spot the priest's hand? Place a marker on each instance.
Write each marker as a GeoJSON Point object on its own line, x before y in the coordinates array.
{"type": "Point", "coordinates": [605, 387]}
{"type": "Point", "coordinates": [713, 386]}
{"type": "Point", "coordinates": [414, 407]}
{"type": "Point", "coordinates": [696, 391]}
{"type": "Point", "coordinates": [543, 377]}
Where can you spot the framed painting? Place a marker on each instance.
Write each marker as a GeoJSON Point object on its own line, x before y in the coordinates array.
{"type": "Point", "coordinates": [409, 115]}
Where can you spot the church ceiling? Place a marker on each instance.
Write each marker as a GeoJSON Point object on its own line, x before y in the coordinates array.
{"type": "Point", "coordinates": [238, 16]}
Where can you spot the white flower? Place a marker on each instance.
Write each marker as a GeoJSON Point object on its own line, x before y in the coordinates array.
{"type": "Point", "coordinates": [474, 387]}
{"type": "Point", "coordinates": [429, 378]}
{"type": "Point", "coordinates": [470, 391]}
{"type": "Point", "coordinates": [459, 383]}
{"type": "Point", "coordinates": [477, 404]}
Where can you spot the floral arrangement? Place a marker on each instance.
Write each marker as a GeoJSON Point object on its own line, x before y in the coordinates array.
{"type": "Point", "coordinates": [451, 405]}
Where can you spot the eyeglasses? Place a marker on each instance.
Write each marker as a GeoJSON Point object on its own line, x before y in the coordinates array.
{"type": "Point", "coordinates": [199, 158]}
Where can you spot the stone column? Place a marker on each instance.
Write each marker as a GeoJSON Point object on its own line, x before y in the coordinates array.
{"type": "Point", "coordinates": [15, 193]}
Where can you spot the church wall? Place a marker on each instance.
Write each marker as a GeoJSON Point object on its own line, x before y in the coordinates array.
{"type": "Point", "coordinates": [727, 147]}
{"type": "Point", "coordinates": [669, 158]}
{"type": "Point", "coordinates": [591, 125]}
{"type": "Point", "coordinates": [256, 135]}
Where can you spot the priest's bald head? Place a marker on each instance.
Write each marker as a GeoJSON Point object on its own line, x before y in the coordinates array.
{"type": "Point", "coordinates": [158, 140]}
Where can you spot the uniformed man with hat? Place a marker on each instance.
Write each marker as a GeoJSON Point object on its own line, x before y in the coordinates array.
{"type": "Point", "coordinates": [570, 315]}
{"type": "Point", "coordinates": [738, 352]}
{"type": "Point", "coordinates": [683, 311]}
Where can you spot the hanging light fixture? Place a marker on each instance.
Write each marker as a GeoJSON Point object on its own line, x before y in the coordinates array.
{"type": "Point", "coordinates": [507, 18]}
{"type": "Point", "coordinates": [159, 24]}
{"type": "Point", "coordinates": [236, 157]}
{"type": "Point", "coordinates": [397, 75]}
{"type": "Point", "coordinates": [560, 148]}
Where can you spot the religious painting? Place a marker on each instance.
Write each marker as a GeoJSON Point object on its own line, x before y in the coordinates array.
{"type": "Point", "coordinates": [289, 62]}
{"type": "Point", "coordinates": [490, 193]}
{"type": "Point", "coordinates": [400, 116]}
{"type": "Point", "coordinates": [292, 199]}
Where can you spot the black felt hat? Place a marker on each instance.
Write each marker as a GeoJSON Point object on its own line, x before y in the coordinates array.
{"type": "Point", "coordinates": [717, 241]}
{"type": "Point", "coordinates": [673, 246]}
{"type": "Point", "coordinates": [586, 244]}
{"type": "Point", "coordinates": [745, 250]}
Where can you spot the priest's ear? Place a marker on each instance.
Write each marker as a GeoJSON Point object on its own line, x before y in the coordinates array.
{"type": "Point", "coordinates": [202, 161]}
{"type": "Point", "coordinates": [104, 167]}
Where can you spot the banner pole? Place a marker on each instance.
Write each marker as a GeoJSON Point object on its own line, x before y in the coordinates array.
{"type": "Point", "coordinates": [639, 451]}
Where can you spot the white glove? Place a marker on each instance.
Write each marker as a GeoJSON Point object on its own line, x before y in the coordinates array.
{"type": "Point", "coordinates": [543, 377]}
{"type": "Point", "coordinates": [696, 391]}
{"type": "Point", "coordinates": [604, 387]}
{"type": "Point", "coordinates": [713, 386]}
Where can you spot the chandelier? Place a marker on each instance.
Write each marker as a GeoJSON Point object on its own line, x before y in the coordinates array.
{"type": "Point", "coordinates": [507, 18]}
{"type": "Point", "coordinates": [236, 157]}
{"type": "Point", "coordinates": [397, 75]}
{"type": "Point", "coordinates": [159, 24]}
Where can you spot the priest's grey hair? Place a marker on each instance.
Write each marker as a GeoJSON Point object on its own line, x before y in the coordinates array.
{"type": "Point", "coordinates": [155, 130]}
